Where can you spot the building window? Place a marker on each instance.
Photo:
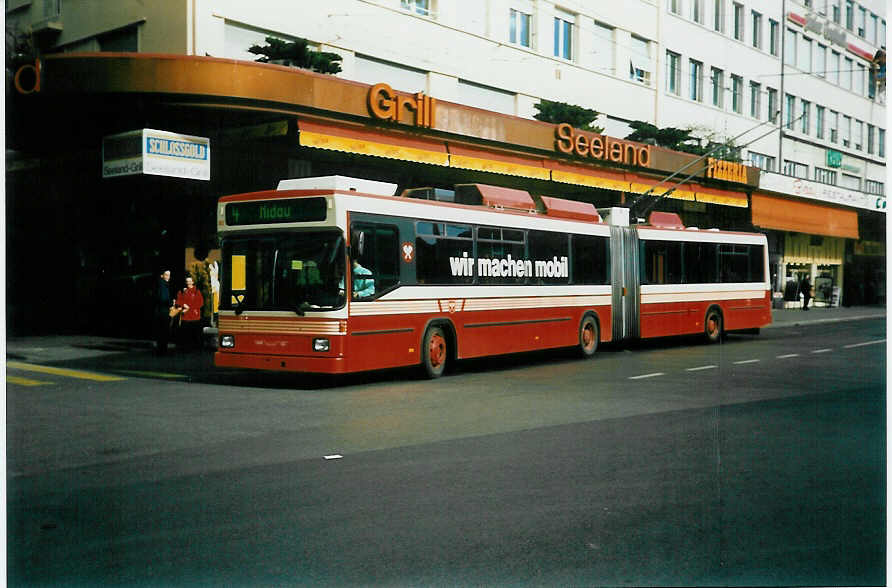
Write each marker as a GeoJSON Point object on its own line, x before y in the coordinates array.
{"type": "Point", "coordinates": [833, 68]}
{"type": "Point", "coordinates": [846, 130]}
{"type": "Point", "coordinates": [697, 11]}
{"type": "Point", "coordinates": [520, 28]}
{"type": "Point", "coordinates": [773, 28]}
{"type": "Point", "coordinates": [563, 36]}
{"type": "Point", "coordinates": [673, 72]}
{"type": "Point", "coordinates": [675, 6]}
{"type": "Point", "coordinates": [881, 142]}
{"type": "Point", "coordinates": [763, 162]}
{"type": "Point", "coordinates": [860, 74]}
{"type": "Point", "coordinates": [738, 21]}
{"type": "Point", "coordinates": [874, 187]}
{"type": "Point", "coordinates": [486, 97]}
{"type": "Point", "coordinates": [757, 30]}
{"type": "Point", "coordinates": [821, 60]}
{"type": "Point", "coordinates": [718, 16]}
{"type": "Point", "coordinates": [121, 40]}
{"type": "Point", "coordinates": [858, 135]}
{"type": "Point", "coordinates": [737, 94]}
{"type": "Point", "coordinates": [806, 117]}
{"type": "Point", "coordinates": [833, 126]}
{"type": "Point", "coordinates": [834, 9]}
{"type": "Point", "coordinates": [795, 169]}
{"type": "Point", "coordinates": [755, 100]}
{"type": "Point", "coordinates": [790, 110]}
{"type": "Point", "coordinates": [604, 48]}
{"type": "Point", "coordinates": [825, 176]}
{"type": "Point", "coordinates": [870, 135]}
{"type": "Point", "coordinates": [804, 54]}
{"type": "Point", "coordinates": [640, 64]}
{"type": "Point", "coordinates": [418, 6]}
{"type": "Point", "coordinates": [847, 73]}
{"type": "Point", "coordinates": [862, 22]}
{"type": "Point", "coordinates": [696, 83]}
{"type": "Point", "coordinates": [851, 182]}
{"type": "Point", "coordinates": [718, 87]}
{"type": "Point", "coordinates": [773, 110]}
{"type": "Point", "coordinates": [850, 15]}
{"type": "Point", "coordinates": [789, 46]}
{"type": "Point", "coordinates": [872, 31]}
{"type": "Point", "coordinates": [819, 121]}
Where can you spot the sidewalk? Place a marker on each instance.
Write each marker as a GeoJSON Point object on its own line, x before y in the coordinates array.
{"type": "Point", "coordinates": [132, 355]}
{"type": "Point", "coordinates": [792, 317]}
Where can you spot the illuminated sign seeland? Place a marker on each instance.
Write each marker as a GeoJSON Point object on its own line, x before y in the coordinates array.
{"type": "Point", "coordinates": [589, 145]}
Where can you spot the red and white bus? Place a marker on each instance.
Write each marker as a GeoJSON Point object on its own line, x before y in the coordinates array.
{"type": "Point", "coordinates": [337, 275]}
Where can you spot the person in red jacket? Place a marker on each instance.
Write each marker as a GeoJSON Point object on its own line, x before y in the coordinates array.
{"type": "Point", "coordinates": [191, 301]}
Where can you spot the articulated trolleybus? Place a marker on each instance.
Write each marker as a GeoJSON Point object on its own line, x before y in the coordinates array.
{"type": "Point", "coordinates": [336, 275]}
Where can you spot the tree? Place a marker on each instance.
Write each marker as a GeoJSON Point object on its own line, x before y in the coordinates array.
{"type": "Point", "coordinates": [561, 112]}
{"type": "Point", "coordinates": [297, 54]}
{"type": "Point", "coordinates": [684, 140]}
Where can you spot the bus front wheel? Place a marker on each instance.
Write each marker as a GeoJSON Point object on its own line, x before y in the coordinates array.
{"type": "Point", "coordinates": [713, 329]}
{"type": "Point", "coordinates": [434, 352]}
{"type": "Point", "coordinates": [588, 336]}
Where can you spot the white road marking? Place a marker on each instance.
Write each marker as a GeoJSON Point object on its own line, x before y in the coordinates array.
{"type": "Point", "coordinates": [641, 377]}
{"type": "Point", "coordinates": [863, 344]}
{"type": "Point", "coordinates": [822, 350]}
{"type": "Point", "coordinates": [787, 356]}
{"type": "Point", "coordinates": [334, 456]}
{"type": "Point", "coordinates": [747, 361]}
{"type": "Point", "coordinates": [702, 367]}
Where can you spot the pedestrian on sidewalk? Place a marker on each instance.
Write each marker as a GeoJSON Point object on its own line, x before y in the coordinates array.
{"type": "Point", "coordinates": [805, 288]}
{"type": "Point", "coordinates": [163, 303]}
{"type": "Point", "coordinates": [191, 301]}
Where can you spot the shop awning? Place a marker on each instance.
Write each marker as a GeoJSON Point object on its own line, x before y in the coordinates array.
{"type": "Point", "coordinates": [364, 141]}
{"type": "Point", "coordinates": [723, 197]}
{"type": "Point", "coordinates": [583, 176]}
{"type": "Point", "coordinates": [803, 217]}
{"type": "Point", "coordinates": [640, 185]}
{"type": "Point", "coordinates": [465, 157]}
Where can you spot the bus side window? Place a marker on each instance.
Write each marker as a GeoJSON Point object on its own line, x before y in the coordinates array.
{"type": "Point", "coordinates": [662, 262]}
{"type": "Point", "coordinates": [380, 255]}
{"type": "Point", "coordinates": [590, 257]}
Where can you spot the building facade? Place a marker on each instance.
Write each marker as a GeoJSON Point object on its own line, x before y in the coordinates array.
{"type": "Point", "coordinates": [794, 87]}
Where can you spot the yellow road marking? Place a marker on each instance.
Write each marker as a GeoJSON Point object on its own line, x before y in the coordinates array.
{"type": "Point", "coordinates": [25, 381]}
{"type": "Point", "coordinates": [30, 367]}
{"type": "Point", "coordinates": [153, 374]}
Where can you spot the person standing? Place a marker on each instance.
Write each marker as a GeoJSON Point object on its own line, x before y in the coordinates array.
{"type": "Point", "coordinates": [805, 288]}
{"type": "Point", "coordinates": [163, 304]}
{"type": "Point", "coordinates": [191, 301]}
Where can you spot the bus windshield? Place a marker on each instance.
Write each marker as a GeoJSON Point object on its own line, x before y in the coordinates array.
{"type": "Point", "coordinates": [284, 271]}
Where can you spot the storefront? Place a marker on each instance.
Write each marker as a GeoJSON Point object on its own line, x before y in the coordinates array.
{"type": "Point", "coordinates": [95, 239]}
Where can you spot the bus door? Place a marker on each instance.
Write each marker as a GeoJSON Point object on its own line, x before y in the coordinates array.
{"type": "Point", "coordinates": [626, 282]}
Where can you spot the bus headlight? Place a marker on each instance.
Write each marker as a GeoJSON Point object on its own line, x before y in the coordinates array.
{"type": "Point", "coordinates": [227, 341]}
{"type": "Point", "coordinates": [321, 345]}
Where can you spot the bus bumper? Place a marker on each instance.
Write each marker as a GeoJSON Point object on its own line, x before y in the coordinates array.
{"type": "Point", "coordinates": [301, 363]}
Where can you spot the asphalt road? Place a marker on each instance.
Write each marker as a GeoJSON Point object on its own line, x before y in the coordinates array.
{"type": "Point", "coordinates": [758, 461]}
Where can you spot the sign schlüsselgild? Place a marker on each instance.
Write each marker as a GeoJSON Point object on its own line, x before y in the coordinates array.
{"type": "Point", "coordinates": [159, 153]}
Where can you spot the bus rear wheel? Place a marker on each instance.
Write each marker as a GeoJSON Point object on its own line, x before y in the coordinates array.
{"type": "Point", "coordinates": [713, 328]}
{"type": "Point", "coordinates": [588, 336]}
{"type": "Point", "coordinates": [434, 352]}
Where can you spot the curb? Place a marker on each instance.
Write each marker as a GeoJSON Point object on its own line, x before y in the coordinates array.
{"type": "Point", "coordinates": [798, 323]}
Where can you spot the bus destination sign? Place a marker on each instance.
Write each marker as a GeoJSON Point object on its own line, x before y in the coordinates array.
{"type": "Point", "coordinates": [286, 210]}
